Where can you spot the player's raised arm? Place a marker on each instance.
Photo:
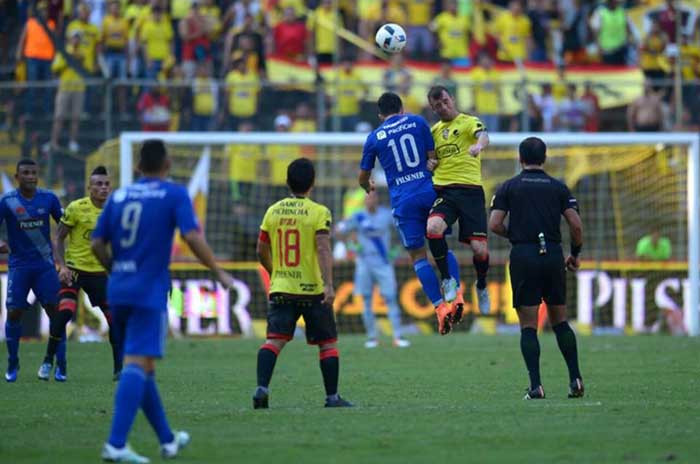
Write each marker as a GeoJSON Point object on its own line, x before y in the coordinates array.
{"type": "Point", "coordinates": [365, 181]}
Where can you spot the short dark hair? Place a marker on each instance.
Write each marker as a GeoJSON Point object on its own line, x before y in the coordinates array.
{"type": "Point", "coordinates": [152, 156]}
{"type": "Point", "coordinates": [301, 175]}
{"type": "Point", "coordinates": [99, 171]}
{"type": "Point", "coordinates": [389, 103]}
{"type": "Point", "coordinates": [533, 151]}
{"type": "Point", "coordinates": [435, 92]}
{"type": "Point", "coordinates": [25, 162]}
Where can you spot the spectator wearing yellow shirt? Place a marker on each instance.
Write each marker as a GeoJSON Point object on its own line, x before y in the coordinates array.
{"type": "Point", "coordinates": [445, 79]}
{"type": "Point", "coordinates": [321, 25]}
{"type": "Point", "coordinates": [205, 95]}
{"type": "Point", "coordinates": [486, 92]}
{"type": "Point", "coordinates": [652, 53]}
{"type": "Point", "coordinates": [178, 11]}
{"type": "Point", "coordinates": [244, 168]}
{"type": "Point", "coordinates": [156, 38]}
{"type": "Point", "coordinates": [279, 157]}
{"type": "Point", "coordinates": [396, 73]}
{"type": "Point", "coordinates": [452, 31]}
{"type": "Point", "coordinates": [132, 14]}
{"type": "Point", "coordinates": [90, 36]}
{"type": "Point", "coordinates": [114, 41]}
{"type": "Point", "coordinates": [304, 119]}
{"type": "Point", "coordinates": [419, 14]}
{"type": "Point", "coordinates": [348, 92]}
{"type": "Point", "coordinates": [514, 33]}
{"type": "Point", "coordinates": [612, 31]}
{"type": "Point", "coordinates": [71, 90]}
{"type": "Point", "coordinates": [411, 104]}
{"type": "Point", "coordinates": [241, 95]}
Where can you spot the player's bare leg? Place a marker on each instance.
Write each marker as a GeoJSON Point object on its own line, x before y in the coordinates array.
{"type": "Point", "coordinates": [267, 357]}
{"type": "Point", "coordinates": [481, 265]}
{"type": "Point", "coordinates": [13, 333]}
{"type": "Point", "coordinates": [438, 247]}
{"type": "Point", "coordinates": [431, 287]}
{"type": "Point", "coordinates": [330, 367]}
{"type": "Point", "coordinates": [566, 339]}
{"type": "Point", "coordinates": [530, 348]}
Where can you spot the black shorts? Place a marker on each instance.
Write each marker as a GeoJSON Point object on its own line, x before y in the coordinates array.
{"type": "Point", "coordinates": [94, 285]}
{"type": "Point", "coordinates": [466, 205]}
{"type": "Point", "coordinates": [284, 312]}
{"type": "Point", "coordinates": [535, 277]}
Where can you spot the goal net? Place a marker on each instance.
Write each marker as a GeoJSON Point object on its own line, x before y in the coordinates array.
{"type": "Point", "coordinates": [637, 193]}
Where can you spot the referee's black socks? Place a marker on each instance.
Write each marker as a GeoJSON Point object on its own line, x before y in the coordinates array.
{"type": "Point", "coordinates": [530, 347]}
{"type": "Point", "coordinates": [438, 248]}
{"type": "Point", "coordinates": [566, 339]}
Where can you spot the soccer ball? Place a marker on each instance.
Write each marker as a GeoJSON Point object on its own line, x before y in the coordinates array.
{"type": "Point", "coordinates": [391, 38]}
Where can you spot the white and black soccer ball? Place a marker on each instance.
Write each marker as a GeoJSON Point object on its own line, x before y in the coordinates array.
{"type": "Point", "coordinates": [391, 38]}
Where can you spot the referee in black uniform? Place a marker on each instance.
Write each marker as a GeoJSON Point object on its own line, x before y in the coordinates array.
{"type": "Point", "coordinates": [535, 202]}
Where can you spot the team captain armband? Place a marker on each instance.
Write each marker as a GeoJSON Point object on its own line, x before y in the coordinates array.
{"type": "Point", "coordinates": [576, 250]}
{"type": "Point", "coordinates": [264, 236]}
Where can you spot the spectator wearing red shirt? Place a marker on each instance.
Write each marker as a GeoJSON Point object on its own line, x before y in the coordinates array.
{"type": "Point", "coordinates": [589, 97]}
{"type": "Point", "coordinates": [154, 110]}
{"type": "Point", "coordinates": [196, 45]}
{"type": "Point", "coordinates": [290, 36]}
{"type": "Point", "coordinates": [667, 20]}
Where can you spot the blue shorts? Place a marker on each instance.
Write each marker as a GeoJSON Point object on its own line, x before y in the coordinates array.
{"type": "Point", "coordinates": [369, 274]}
{"type": "Point", "coordinates": [411, 218]}
{"type": "Point", "coordinates": [143, 330]}
{"type": "Point", "coordinates": [43, 281]}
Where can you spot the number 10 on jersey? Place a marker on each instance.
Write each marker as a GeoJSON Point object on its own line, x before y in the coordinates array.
{"type": "Point", "coordinates": [288, 242]}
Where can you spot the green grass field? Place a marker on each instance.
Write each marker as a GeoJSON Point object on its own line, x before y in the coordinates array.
{"type": "Point", "coordinates": [445, 399]}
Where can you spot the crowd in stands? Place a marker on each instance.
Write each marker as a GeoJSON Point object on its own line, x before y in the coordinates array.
{"type": "Point", "coordinates": [218, 51]}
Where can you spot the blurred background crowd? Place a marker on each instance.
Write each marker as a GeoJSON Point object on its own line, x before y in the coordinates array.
{"type": "Point", "coordinates": [75, 73]}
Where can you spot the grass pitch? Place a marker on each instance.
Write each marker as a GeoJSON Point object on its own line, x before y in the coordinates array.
{"type": "Point", "coordinates": [445, 399]}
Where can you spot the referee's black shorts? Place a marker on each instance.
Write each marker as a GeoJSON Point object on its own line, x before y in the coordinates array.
{"type": "Point", "coordinates": [465, 205]}
{"type": "Point", "coordinates": [535, 277]}
{"type": "Point", "coordinates": [284, 312]}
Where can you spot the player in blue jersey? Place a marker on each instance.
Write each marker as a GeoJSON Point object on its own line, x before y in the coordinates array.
{"type": "Point", "coordinates": [133, 241]}
{"type": "Point", "coordinates": [373, 265]}
{"type": "Point", "coordinates": [404, 145]}
{"type": "Point", "coordinates": [27, 212]}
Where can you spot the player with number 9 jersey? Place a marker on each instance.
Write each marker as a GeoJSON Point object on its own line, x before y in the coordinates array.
{"type": "Point", "coordinates": [139, 222]}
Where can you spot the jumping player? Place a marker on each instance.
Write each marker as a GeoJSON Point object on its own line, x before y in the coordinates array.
{"type": "Point", "coordinates": [295, 248]}
{"type": "Point", "coordinates": [459, 142]}
{"type": "Point", "coordinates": [79, 269]}
{"type": "Point", "coordinates": [133, 241]}
{"type": "Point", "coordinates": [403, 144]}
{"type": "Point", "coordinates": [27, 212]}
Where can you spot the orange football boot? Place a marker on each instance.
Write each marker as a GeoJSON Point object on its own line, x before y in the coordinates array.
{"type": "Point", "coordinates": [458, 307]}
{"type": "Point", "coordinates": [444, 317]}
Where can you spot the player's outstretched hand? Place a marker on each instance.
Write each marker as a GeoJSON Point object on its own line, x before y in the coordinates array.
{"type": "Point", "coordinates": [328, 295]}
{"type": "Point", "coordinates": [4, 249]}
{"type": "Point", "coordinates": [572, 263]}
{"type": "Point", "coordinates": [65, 276]}
{"type": "Point", "coordinates": [372, 186]}
{"type": "Point", "coordinates": [475, 150]}
{"type": "Point", "coordinates": [224, 278]}
{"type": "Point", "coordinates": [432, 164]}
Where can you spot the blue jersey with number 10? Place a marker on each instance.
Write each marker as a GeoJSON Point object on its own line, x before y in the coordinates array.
{"type": "Point", "coordinates": [401, 143]}
{"type": "Point", "coordinates": [139, 221]}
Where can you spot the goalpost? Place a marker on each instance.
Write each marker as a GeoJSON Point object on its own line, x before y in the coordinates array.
{"type": "Point", "coordinates": [628, 184]}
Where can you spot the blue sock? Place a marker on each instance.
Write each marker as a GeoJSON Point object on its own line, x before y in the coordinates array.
{"type": "Point", "coordinates": [453, 265]}
{"type": "Point", "coordinates": [153, 409]}
{"type": "Point", "coordinates": [13, 332]}
{"type": "Point", "coordinates": [61, 352]}
{"type": "Point", "coordinates": [127, 401]}
{"type": "Point", "coordinates": [429, 281]}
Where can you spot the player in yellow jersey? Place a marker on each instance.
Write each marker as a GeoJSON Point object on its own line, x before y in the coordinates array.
{"type": "Point", "coordinates": [459, 141]}
{"type": "Point", "coordinates": [295, 248]}
{"type": "Point", "coordinates": [78, 266]}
